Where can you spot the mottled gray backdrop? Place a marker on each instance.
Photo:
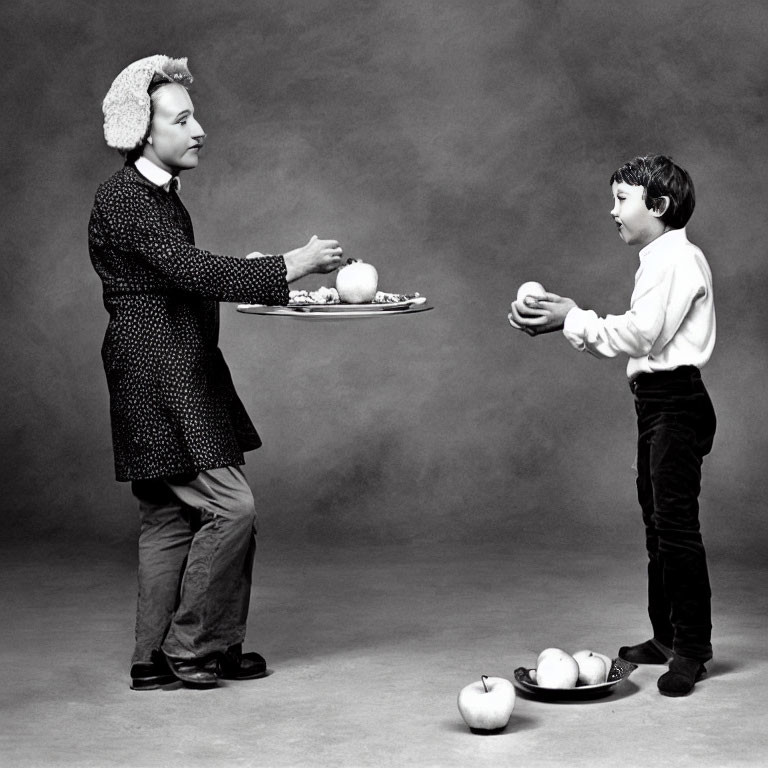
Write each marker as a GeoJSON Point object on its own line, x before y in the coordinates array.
{"type": "Point", "coordinates": [462, 146]}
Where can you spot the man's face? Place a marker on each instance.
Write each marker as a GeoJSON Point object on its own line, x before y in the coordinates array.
{"type": "Point", "coordinates": [175, 137]}
{"type": "Point", "coordinates": [637, 225]}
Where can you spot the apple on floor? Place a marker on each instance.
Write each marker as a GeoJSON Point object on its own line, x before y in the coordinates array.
{"type": "Point", "coordinates": [487, 704]}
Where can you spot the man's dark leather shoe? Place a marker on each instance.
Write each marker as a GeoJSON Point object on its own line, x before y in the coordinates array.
{"type": "Point", "coordinates": [649, 652]}
{"type": "Point", "coordinates": [682, 676]}
{"type": "Point", "coordinates": [236, 665]}
{"type": "Point", "coordinates": [195, 673]}
{"type": "Point", "coordinates": [149, 675]}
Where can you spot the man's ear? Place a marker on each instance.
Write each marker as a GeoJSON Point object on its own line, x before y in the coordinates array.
{"type": "Point", "coordinates": [660, 206]}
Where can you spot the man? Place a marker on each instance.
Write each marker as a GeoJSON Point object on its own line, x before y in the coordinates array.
{"type": "Point", "coordinates": [179, 430]}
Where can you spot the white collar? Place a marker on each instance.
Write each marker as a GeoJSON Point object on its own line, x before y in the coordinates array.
{"type": "Point", "coordinates": [672, 238]}
{"type": "Point", "coordinates": [157, 175]}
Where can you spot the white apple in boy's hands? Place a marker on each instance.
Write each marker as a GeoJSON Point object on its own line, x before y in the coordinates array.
{"type": "Point", "coordinates": [530, 288]}
{"type": "Point", "coordinates": [487, 704]}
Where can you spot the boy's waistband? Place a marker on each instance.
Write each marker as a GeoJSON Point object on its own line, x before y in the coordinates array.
{"type": "Point", "coordinates": [684, 373]}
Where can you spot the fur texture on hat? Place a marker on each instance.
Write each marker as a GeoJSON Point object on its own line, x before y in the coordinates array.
{"type": "Point", "coordinates": [126, 106]}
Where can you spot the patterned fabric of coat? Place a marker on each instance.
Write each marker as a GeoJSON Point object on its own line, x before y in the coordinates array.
{"type": "Point", "coordinates": [173, 407]}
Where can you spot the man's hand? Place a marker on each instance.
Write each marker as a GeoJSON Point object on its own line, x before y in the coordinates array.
{"type": "Point", "coordinates": [316, 256]}
{"type": "Point", "coordinates": [544, 314]}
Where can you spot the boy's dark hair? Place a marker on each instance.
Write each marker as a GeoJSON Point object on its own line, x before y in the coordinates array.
{"type": "Point", "coordinates": [661, 177]}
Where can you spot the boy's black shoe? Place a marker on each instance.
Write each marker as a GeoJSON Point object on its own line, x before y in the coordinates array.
{"type": "Point", "coordinates": [682, 676]}
{"type": "Point", "coordinates": [649, 652]}
{"type": "Point", "coordinates": [149, 675]}
{"type": "Point", "coordinates": [194, 673]}
{"type": "Point", "coordinates": [236, 665]}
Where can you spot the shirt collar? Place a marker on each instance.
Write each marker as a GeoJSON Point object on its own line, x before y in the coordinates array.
{"type": "Point", "coordinates": [158, 176]}
{"type": "Point", "coordinates": [672, 239]}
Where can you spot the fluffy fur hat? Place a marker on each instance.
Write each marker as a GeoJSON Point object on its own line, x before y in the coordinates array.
{"type": "Point", "coordinates": [126, 106]}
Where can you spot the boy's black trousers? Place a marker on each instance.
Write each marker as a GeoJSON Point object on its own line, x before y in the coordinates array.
{"type": "Point", "coordinates": [676, 427]}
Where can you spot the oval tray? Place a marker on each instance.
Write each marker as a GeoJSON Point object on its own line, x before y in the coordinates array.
{"type": "Point", "coordinates": [300, 313]}
{"type": "Point", "coordinates": [620, 671]}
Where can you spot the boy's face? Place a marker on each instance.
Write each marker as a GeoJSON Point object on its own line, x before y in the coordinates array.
{"type": "Point", "coordinates": [637, 225]}
{"type": "Point", "coordinates": [175, 137]}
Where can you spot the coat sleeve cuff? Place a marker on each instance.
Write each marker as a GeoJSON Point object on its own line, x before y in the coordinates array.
{"type": "Point", "coordinates": [575, 327]}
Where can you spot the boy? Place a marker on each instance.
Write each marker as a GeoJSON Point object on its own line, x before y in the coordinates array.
{"type": "Point", "coordinates": [669, 334]}
{"type": "Point", "coordinates": [179, 429]}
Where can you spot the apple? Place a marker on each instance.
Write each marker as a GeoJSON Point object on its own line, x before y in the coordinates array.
{"type": "Point", "coordinates": [557, 670]}
{"type": "Point", "coordinates": [592, 669]}
{"type": "Point", "coordinates": [526, 289]}
{"type": "Point", "coordinates": [608, 662]}
{"type": "Point", "coordinates": [530, 288]}
{"type": "Point", "coordinates": [356, 282]}
{"type": "Point", "coordinates": [547, 652]}
{"type": "Point", "coordinates": [487, 704]}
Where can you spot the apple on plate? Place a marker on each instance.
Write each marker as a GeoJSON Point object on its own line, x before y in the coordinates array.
{"type": "Point", "coordinates": [592, 669]}
{"type": "Point", "coordinates": [487, 704]}
{"type": "Point", "coordinates": [356, 282]}
{"type": "Point", "coordinates": [556, 669]}
{"type": "Point", "coordinates": [547, 652]}
{"type": "Point", "coordinates": [608, 662]}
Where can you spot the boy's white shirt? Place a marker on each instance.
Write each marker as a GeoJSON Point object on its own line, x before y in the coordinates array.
{"type": "Point", "coordinates": [671, 320]}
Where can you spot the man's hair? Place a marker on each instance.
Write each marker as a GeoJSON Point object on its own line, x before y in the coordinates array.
{"type": "Point", "coordinates": [660, 177]}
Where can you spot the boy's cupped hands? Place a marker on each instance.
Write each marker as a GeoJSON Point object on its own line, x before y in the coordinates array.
{"type": "Point", "coordinates": [542, 314]}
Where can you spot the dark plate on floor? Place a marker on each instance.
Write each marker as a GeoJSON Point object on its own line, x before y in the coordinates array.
{"type": "Point", "coordinates": [620, 671]}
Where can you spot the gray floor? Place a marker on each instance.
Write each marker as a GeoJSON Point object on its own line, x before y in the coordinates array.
{"type": "Point", "coordinates": [368, 649]}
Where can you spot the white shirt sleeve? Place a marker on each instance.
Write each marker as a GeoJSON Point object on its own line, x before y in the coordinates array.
{"type": "Point", "coordinates": [662, 297]}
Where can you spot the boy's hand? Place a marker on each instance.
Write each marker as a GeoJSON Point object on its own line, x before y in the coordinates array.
{"type": "Point", "coordinates": [544, 314]}
{"type": "Point", "coordinates": [316, 256]}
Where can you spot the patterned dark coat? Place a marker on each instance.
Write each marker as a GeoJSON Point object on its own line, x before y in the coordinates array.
{"type": "Point", "coordinates": [173, 407]}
